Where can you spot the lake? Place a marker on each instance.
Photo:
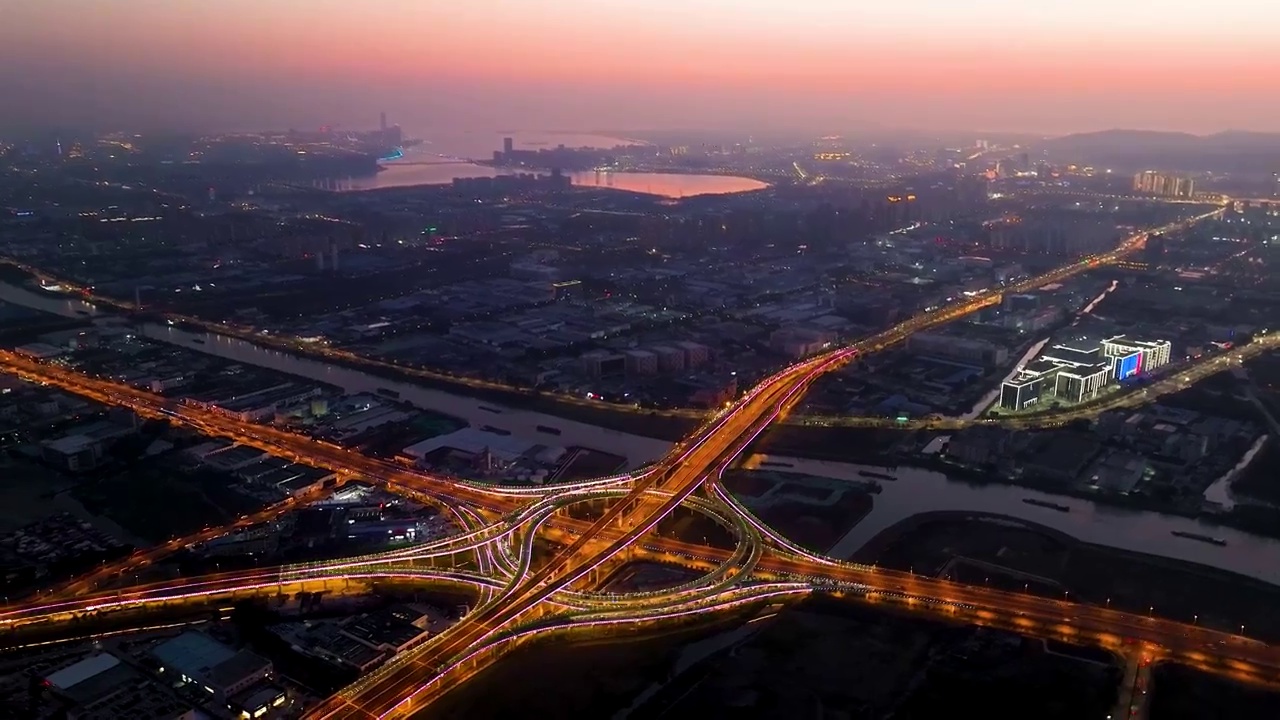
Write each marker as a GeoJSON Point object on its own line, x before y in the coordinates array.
{"type": "Point", "coordinates": [672, 185]}
{"type": "Point", "coordinates": [453, 151]}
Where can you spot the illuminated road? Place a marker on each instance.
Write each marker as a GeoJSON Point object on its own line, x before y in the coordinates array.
{"type": "Point", "coordinates": [1174, 380]}
{"type": "Point", "coordinates": [525, 596]}
{"type": "Point", "coordinates": [298, 346]}
{"type": "Point", "coordinates": [324, 352]}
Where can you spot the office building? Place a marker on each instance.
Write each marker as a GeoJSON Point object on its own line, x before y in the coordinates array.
{"type": "Point", "coordinates": [1076, 370]}
{"type": "Point", "coordinates": [1032, 384]}
{"type": "Point", "coordinates": [1082, 350]}
{"type": "Point", "coordinates": [1130, 357]}
{"type": "Point", "coordinates": [1082, 370]}
{"type": "Point", "coordinates": [1079, 383]}
{"type": "Point", "coordinates": [1021, 391]}
{"type": "Point", "coordinates": [1126, 364]}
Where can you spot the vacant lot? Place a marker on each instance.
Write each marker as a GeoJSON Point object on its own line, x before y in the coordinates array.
{"type": "Point", "coordinates": [158, 503]}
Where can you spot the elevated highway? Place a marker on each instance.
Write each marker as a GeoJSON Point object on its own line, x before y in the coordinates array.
{"type": "Point", "coordinates": [524, 598]}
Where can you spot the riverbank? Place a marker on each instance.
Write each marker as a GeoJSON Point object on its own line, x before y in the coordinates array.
{"type": "Point", "coordinates": [916, 491]}
{"type": "Point", "coordinates": [652, 423]}
{"type": "Point", "coordinates": [1023, 555]}
{"type": "Point", "coordinates": [634, 437]}
{"type": "Point", "coordinates": [1256, 520]}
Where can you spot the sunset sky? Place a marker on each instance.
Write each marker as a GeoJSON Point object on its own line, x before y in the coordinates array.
{"type": "Point", "coordinates": [822, 65]}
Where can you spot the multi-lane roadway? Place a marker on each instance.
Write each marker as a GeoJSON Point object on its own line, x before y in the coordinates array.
{"type": "Point", "coordinates": [1175, 379]}
{"type": "Point", "coordinates": [544, 598]}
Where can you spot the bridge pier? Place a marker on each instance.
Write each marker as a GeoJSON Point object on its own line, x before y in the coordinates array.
{"type": "Point", "coordinates": [1132, 700]}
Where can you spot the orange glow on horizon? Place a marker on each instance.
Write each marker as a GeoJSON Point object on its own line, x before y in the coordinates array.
{"type": "Point", "coordinates": [990, 58]}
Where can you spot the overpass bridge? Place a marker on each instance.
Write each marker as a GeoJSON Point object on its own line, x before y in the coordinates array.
{"type": "Point", "coordinates": [530, 590]}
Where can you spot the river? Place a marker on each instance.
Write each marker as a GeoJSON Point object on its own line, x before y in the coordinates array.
{"type": "Point", "coordinates": [920, 491]}
{"type": "Point", "coordinates": [521, 423]}
{"type": "Point", "coordinates": [915, 490]}
{"type": "Point", "coordinates": [638, 450]}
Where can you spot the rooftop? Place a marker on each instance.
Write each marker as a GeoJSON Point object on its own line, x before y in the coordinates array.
{"type": "Point", "coordinates": [474, 441]}
{"type": "Point", "coordinates": [83, 670]}
{"type": "Point", "coordinates": [193, 654]}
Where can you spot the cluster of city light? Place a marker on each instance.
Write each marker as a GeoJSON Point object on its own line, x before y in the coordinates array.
{"type": "Point", "coordinates": [519, 603]}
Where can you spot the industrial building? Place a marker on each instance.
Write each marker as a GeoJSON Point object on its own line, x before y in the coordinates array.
{"type": "Point", "coordinates": [102, 687]}
{"type": "Point", "coordinates": [220, 670]}
{"type": "Point", "coordinates": [85, 447]}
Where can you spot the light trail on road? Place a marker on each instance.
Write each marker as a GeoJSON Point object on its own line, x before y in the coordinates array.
{"type": "Point", "coordinates": [523, 600]}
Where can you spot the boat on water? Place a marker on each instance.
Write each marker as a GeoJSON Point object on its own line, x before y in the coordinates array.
{"type": "Point", "coordinates": [878, 476]}
{"type": "Point", "coordinates": [388, 393]}
{"type": "Point", "coordinates": [1198, 536]}
{"type": "Point", "coordinates": [1046, 504]}
{"type": "Point", "coordinates": [198, 341]}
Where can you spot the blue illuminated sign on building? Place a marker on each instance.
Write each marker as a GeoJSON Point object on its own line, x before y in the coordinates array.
{"type": "Point", "coordinates": [1128, 366]}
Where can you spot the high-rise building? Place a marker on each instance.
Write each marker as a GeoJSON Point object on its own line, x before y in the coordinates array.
{"type": "Point", "coordinates": [1160, 184]}
{"type": "Point", "coordinates": [382, 121]}
{"type": "Point", "coordinates": [508, 144]}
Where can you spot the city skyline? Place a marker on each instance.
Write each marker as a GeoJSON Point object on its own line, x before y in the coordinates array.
{"type": "Point", "coordinates": [812, 65]}
{"type": "Point", "coordinates": [413, 358]}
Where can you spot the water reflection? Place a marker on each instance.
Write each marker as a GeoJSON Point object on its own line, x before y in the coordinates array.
{"type": "Point", "coordinates": [915, 491]}
{"type": "Point", "coordinates": [441, 158]}
{"type": "Point", "coordinates": [672, 185]}
{"type": "Point", "coordinates": [919, 491]}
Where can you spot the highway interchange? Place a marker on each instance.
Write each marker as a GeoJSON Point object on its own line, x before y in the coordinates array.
{"type": "Point", "coordinates": [524, 596]}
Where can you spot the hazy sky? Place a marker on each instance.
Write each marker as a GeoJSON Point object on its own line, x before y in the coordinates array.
{"type": "Point", "coordinates": [828, 65]}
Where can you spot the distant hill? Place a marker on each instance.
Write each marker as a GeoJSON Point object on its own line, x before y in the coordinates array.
{"type": "Point", "coordinates": [1231, 151]}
